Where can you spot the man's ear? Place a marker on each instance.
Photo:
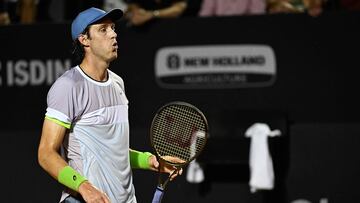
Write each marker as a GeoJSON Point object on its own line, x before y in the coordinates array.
{"type": "Point", "coordinates": [84, 40]}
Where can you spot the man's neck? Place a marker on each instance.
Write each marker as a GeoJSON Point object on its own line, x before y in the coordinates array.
{"type": "Point", "coordinates": [97, 70]}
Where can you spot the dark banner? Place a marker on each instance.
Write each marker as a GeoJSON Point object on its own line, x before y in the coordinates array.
{"type": "Point", "coordinates": [304, 66]}
{"type": "Point", "coordinates": [31, 58]}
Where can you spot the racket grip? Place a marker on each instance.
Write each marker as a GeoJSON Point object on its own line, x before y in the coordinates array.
{"type": "Point", "coordinates": [159, 192]}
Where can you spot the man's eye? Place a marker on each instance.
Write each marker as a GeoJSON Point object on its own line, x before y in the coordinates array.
{"type": "Point", "coordinates": [102, 30]}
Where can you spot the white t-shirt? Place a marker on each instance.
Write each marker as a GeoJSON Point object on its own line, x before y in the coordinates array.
{"type": "Point", "coordinates": [97, 145]}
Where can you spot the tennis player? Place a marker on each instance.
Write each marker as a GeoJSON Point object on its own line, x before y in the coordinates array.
{"type": "Point", "coordinates": [85, 136]}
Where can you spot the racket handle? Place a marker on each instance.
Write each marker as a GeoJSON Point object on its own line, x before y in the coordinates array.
{"type": "Point", "coordinates": [159, 192]}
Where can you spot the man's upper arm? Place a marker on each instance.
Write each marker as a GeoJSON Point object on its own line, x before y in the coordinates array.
{"type": "Point", "coordinates": [48, 153]}
{"type": "Point", "coordinates": [52, 134]}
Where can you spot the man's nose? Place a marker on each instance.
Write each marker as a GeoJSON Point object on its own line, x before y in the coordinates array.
{"type": "Point", "coordinates": [113, 34]}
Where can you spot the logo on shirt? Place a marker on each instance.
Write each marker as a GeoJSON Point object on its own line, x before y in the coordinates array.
{"type": "Point", "coordinates": [225, 66]}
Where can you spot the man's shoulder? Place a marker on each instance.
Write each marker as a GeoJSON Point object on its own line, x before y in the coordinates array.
{"type": "Point", "coordinates": [114, 75]}
{"type": "Point", "coordinates": [116, 78]}
{"type": "Point", "coordinates": [68, 78]}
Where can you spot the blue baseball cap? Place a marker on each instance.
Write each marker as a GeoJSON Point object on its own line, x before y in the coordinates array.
{"type": "Point", "coordinates": [90, 16]}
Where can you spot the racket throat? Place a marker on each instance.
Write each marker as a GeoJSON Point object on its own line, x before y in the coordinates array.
{"type": "Point", "coordinates": [163, 185]}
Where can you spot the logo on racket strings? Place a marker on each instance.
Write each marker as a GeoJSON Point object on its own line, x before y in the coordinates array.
{"type": "Point", "coordinates": [179, 134]}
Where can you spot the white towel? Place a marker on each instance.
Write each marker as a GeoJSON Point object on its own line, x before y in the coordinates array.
{"type": "Point", "coordinates": [195, 173]}
{"type": "Point", "coordinates": [260, 162]}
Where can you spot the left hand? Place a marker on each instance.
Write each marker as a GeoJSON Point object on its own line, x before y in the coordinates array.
{"type": "Point", "coordinates": [166, 167]}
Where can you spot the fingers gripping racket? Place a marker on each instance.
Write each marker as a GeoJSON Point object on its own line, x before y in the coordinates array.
{"type": "Point", "coordinates": [178, 134]}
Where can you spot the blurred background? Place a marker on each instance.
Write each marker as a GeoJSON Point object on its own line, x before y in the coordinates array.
{"type": "Point", "coordinates": [290, 64]}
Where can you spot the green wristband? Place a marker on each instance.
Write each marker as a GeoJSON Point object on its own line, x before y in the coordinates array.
{"type": "Point", "coordinates": [139, 159]}
{"type": "Point", "coordinates": [70, 178]}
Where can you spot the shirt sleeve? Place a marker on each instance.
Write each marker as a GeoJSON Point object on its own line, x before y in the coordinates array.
{"type": "Point", "coordinates": [257, 7]}
{"type": "Point", "coordinates": [207, 8]}
{"type": "Point", "coordinates": [60, 101]}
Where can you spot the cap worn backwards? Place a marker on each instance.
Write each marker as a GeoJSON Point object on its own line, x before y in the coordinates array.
{"type": "Point", "coordinates": [90, 16]}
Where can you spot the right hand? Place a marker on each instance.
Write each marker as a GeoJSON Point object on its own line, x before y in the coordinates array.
{"type": "Point", "coordinates": [91, 194]}
{"type": "Point", "coordinates": [165, 167]}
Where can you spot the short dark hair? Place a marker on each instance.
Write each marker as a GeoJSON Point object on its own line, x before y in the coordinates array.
{"type": "Point", "coordinates": [78, 48]}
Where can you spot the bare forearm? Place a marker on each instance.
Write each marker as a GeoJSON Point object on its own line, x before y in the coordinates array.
{"type": "Point", "coordinates": [132, 7]}
{"type": "Point", "coordinates": [51, 162]}
{"type": "Point", "coordinates": [171, 12]}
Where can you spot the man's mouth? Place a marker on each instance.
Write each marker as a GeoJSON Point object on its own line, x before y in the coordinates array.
{"type": "Point", "coordinates": [115, 45]}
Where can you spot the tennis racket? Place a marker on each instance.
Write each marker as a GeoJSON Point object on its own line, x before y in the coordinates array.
{"type": "Point", "coordinates": [179, 130]}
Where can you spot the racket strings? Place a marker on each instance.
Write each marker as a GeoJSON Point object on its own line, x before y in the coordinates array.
{"type": "Point", "coordinates": [179, 131]}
